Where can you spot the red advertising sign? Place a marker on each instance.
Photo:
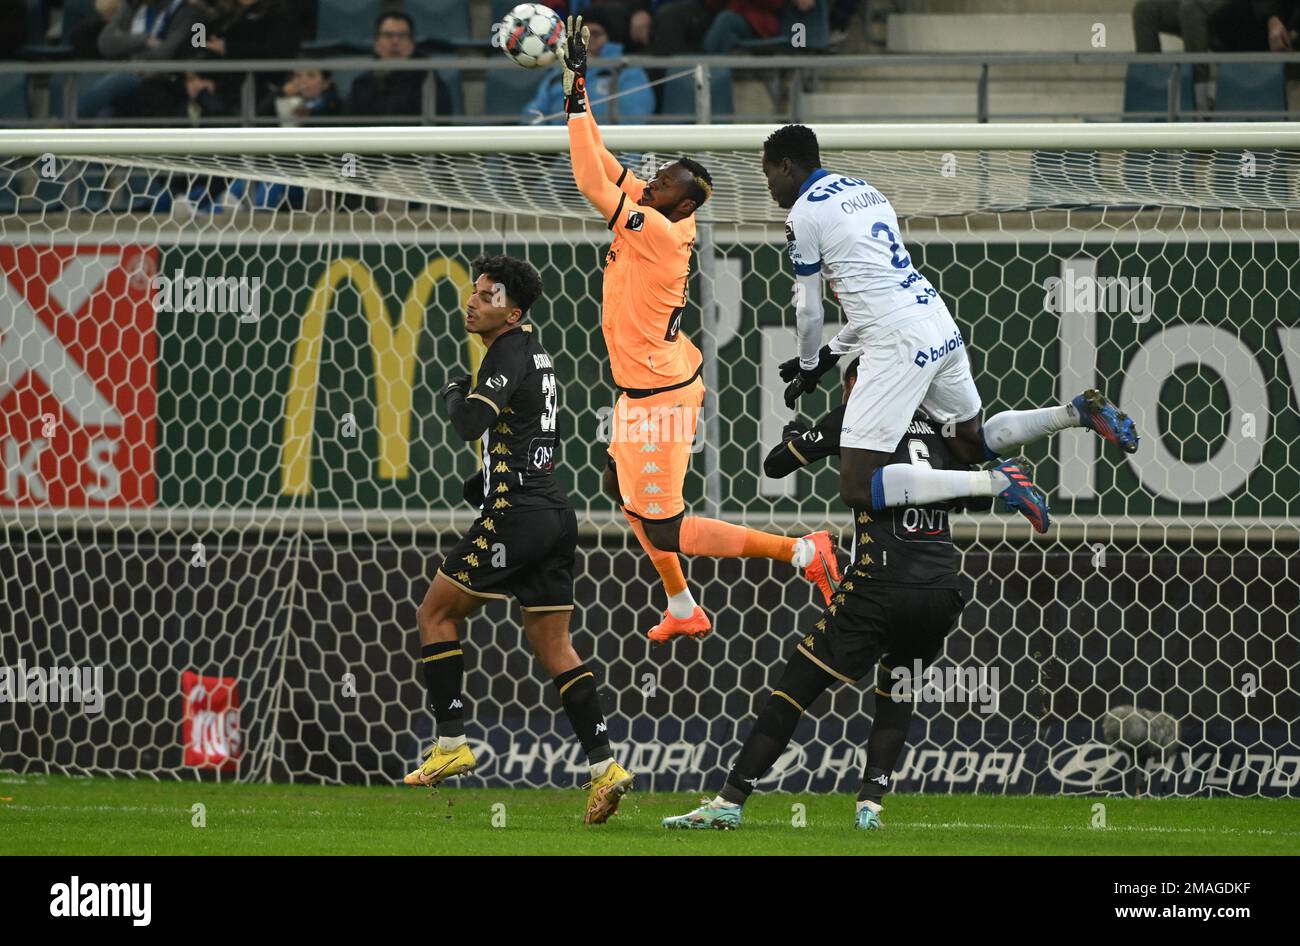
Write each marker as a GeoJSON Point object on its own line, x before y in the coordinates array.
{"type": "Point", "coordinates": [211, 722]}
{"type": "Point", "coordinates": [77, 380]}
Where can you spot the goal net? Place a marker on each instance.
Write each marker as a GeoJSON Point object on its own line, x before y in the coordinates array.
{"type": "Point", "coordinates": [225, 481]}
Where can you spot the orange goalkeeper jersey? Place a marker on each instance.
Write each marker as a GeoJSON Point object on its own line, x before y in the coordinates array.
{"type": "Point", "coordinates": [646, 270]}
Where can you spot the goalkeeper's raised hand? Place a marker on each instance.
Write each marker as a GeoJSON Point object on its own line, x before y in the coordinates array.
{"type": "Point", "coordinates": [573, 60]}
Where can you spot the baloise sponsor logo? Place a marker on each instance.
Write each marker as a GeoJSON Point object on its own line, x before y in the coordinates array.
{"type": "Point", "coordinates": [927, 356]}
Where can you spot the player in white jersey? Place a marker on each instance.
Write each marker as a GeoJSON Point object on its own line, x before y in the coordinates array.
{"type": "Point", "coordinates": [843, 230]}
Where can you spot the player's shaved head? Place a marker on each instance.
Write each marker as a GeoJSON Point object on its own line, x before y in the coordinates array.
{"type": "Point", "coordinates": [790, 154]}
{"type": "Point", "coordinates": [678, 189]}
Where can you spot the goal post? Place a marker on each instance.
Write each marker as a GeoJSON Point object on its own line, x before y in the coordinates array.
{"type": "Point", "coordinates": [225, 480]}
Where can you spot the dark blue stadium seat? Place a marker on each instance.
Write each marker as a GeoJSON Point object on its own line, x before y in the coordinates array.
{"type": "Point", "coordinates": [442, 23]}
{"type": "Point", "coordinates": [345, 25]}
{"type": "Point", "coordinates": [506, 91]}
{"type": "Point", "coordinates": [74, 13]}
{"type": "Point", "coordinates": [1256, 89]}
{"type": "Point", "coordinates": [1146, 92]}
{"type": "Point", "coordinates": [679, 96]}
{"type": "Point", "coordinates": [13, 96]}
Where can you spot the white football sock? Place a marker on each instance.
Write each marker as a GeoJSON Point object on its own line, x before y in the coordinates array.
{"type": "Point", "coordinates": [447, 743]}
{"type": "Point", "coordinates": [1009, 429]}
{"type": "Point", "coordinates": [804, 550]}
{"type": "Point", "coordinates": [599, 768]}
{"type": "Point", "coordinates": [681, 605]}
{"type": "Point", "coordinates": [719, 801]}
{"type": "Point", "coordinates": [908, 485]}
{"type": "Point", "coordinates": [870, 804]}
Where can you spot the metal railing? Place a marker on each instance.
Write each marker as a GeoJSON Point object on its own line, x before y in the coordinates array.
{"type": "Point", "coordinates": [789, 76]}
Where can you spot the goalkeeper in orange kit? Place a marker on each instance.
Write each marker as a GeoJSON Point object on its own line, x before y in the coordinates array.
{"type": "Point", "coordinates": [655, 366]}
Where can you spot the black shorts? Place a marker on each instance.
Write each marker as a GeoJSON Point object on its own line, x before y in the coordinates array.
{"type": "Point", "coordinates": [892, 624]}
{"type": "Point", "coordinates": [527, 554]}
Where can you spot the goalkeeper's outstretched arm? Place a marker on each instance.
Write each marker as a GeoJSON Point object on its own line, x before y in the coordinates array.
{"type": "Point", "coordinates": [616, 172]}
{"type": "Point", "coordinates": [589, 170]}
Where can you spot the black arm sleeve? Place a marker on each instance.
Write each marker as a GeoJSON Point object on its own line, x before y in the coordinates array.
{"type": "Point", "coordinates": [469, 417]}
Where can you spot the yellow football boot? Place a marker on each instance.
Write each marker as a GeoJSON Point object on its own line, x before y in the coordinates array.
{"type": "Point", "coordinates": [606, 792]}
{"type": "Point", "coordinates": [443, 763]}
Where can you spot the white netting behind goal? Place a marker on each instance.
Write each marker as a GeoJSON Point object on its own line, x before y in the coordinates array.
{"type": "Point", "coordinates": [242, 565]}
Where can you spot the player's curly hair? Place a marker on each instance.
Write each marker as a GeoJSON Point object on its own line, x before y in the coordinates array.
{"type": "Point", "coordinates": [522, 284]}
{"type": "Point", "coordinates": [796, 142]}
{"type": "Point", "coordinates": [702, 187]}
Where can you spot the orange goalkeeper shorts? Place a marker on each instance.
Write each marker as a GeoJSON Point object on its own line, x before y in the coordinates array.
{"type": "Point", "coordinates": [651, 440]}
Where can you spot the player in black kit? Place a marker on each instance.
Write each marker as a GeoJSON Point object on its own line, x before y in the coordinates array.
{"type": "Point", "coordinates": [898, 600]}
{"type": "Point", "coordinates": [524, 541]}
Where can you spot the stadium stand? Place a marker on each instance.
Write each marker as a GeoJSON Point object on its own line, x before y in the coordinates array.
{"type": "Point", "coordinates": [940, 87]}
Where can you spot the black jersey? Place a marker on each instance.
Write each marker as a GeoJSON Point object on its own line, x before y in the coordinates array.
{"type": "Point", "coordinates": [520, 444]}
{"type": "Point", "coordinates": [905, 544]}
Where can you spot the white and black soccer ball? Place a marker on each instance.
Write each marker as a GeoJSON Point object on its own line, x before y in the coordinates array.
{"type": "Point", "coordinates": [530, 34]}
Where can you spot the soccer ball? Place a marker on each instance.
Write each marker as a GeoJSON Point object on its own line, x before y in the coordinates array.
{"type": "Point", "coordinates": [530, 34]}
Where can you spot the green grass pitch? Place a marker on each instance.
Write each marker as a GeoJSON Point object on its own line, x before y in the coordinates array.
{"type": "Point", "coordinates": [62, 815]}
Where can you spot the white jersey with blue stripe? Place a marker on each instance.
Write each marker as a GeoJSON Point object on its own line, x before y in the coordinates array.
{"type": "Point", "coordinates": [848, 231]}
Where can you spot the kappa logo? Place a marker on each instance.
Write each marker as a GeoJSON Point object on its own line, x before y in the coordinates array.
{"type": "Point", "coordinates": [654, 509]}
{"type": "Point", "coordinates": [600, 728]}
{"type": "Point", "coordinates": [455, 704]}
{"type": "Point", "coordinates": [77, 417]}
{"type": "Point", "coordinates": [881, 780]}
{"type": "Point", "coordinates": [635, 220]}
{"type": "Point", "coordinates": [651, 467]}
{"type": "Point", "coordinates": [497, 382]}
{"type": "Point", "coordinates": [652, 489]}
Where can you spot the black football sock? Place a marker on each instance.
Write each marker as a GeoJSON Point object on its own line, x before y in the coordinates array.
{"type": "Point", "coordinates": [801, 683]}
{"type": "Point", "coordinates": [581, 701]}
{"type": "Point", "coordinates": [888, 735]}
{"type": "Point", "coordinates": [444, 676]}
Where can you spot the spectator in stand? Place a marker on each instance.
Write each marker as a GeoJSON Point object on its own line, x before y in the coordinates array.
{"type": "Point", "coordinates": [747, 19]}
{"type": "Point", "coordinates": [1243, 26]}
{"type": "Point", "coordinates": [309, 92]}
{"type": "Point", "coordinates": [1189, 19]}
{"type": "Point", "coordinates": [636, 99]}
{"type": "Point", "coordinates": [716, 26]}
{"type": "Point", "coordinates": [141, 30]}
{"type": "Point", "coordinates": [84, 39]}
{"type": "Point", "coordinates": [383, 94]}
{"type": "Point", "coordinates": [201, 98]}
{"type": "Point", "coordinates": [253, 29]}
{"type": "Point", "coordinates": [1215, 25]}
